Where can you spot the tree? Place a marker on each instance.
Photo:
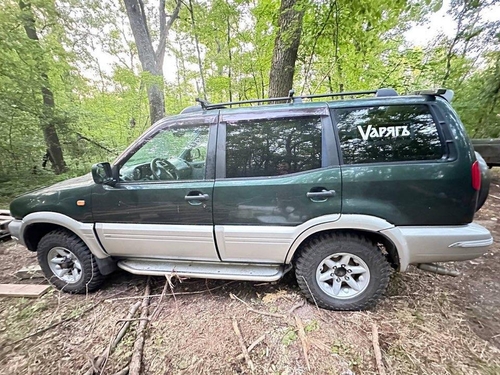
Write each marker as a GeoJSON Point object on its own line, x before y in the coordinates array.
{"type": "Point", "coordinates": [286, 47]}
{"type": "Point", "coordinates": [47, 118]}
{"type": "Point", "coordinates": [151, 60]}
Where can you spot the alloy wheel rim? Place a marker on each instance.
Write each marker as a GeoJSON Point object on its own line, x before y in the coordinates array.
{"type": "Point", "coordinates": [65, 265]}
{"type": "Point", "coordinates": [343, 275]}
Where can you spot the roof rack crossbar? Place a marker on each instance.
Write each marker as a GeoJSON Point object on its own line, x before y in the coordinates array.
{"type": "Point", "coordinates": [334, 94]}
{"type": "Point", "coordinates": [290, 98]}
{"type": "Point", "coordinates": [252, 101]}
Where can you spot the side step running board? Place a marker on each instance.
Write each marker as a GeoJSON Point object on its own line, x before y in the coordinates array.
{"type": "Point", "coordinates": [206, 270]}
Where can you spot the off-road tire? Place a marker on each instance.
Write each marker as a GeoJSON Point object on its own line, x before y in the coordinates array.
{"type": "Point", "coordinates": [316, 250]}
{"type": "Point", "coordinates": [91, 279]}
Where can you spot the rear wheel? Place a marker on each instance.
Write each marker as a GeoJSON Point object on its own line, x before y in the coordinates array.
{"type": "Point", "coordinates": [68, 263]}
{"type": "Point", "coordinates": [342, 272]}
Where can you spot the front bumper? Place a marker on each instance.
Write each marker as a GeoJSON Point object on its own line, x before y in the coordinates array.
{"type": "Point", "coordinates": [15, 231]}
{"type": "Point", "coordinates": [439, 244]}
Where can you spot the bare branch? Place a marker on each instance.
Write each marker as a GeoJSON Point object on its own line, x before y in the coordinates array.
{"type": "Point", "coordinates": [165, 28]}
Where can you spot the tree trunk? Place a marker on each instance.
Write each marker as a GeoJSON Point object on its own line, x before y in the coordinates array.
{"type": "Point", "coordinates": [198, 52]}
{"type": "Point", "coordinates": [47, 116]}
{"type": "Point", "coordinates": [147, 58]}
{"type": "Point", "coordinates": [286, 47]}
{"type": "Point", "coordinates": [151, 60]}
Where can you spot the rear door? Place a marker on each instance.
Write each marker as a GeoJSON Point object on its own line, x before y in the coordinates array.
{"type": "Point", "coordinates": [274, 172]}
{"type": "Point", "coordinates": [399, 164]}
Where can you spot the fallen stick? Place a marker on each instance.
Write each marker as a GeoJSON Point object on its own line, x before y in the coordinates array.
{"type": "Point", "coordinates": [266, 313]}
{"type": "Point", "coordinates": [303, 339]}
{"type": "Point", "coordinates": [123, 371]}
{"type": "Point", "coordinates": [295, 307]}
{"type": "Point", "coordinates": [100, 362]}
{"type": "Point", "coordinates": [242, 345]}
{"type": "Point", "coordinates": [232, 296]}
{"type": "Point", "coordinates": [131, 320]}
{"type": "Point", "coordinates": [136, 360]}
{"type": "Point", "coordinates": [121, 333]}
{"type": "Point", "coordinates": [171, 294]}
{"type": "Point", "coordinates": [156, 311]}
{"type": "Point", "coordinates": [58, 323]}
{"type": "Point", "coordinates": [252, 346]}
{"type": "Point", "coordinates": [376, 349]}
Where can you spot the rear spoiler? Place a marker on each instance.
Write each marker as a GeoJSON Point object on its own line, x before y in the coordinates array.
{"type": "Point", "coordinates": [444, 93]}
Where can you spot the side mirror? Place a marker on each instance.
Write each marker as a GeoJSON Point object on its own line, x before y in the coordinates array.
{"type": "Point", "coordinates": [102, 174]}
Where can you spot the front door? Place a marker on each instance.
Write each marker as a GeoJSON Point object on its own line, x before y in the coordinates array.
{"type": "Point", "coordinates": [277, 172]}
{"type": "Point", "coordinates": [162, 205]}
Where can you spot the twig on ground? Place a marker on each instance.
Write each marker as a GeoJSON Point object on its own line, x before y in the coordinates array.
{"type": "Point", "coordinates": [376, 349]}
{"type": "Point", "coordinates": [123, 330]}
{"type": "Point", "coordinates": [132, 320]}
{"type": "Point", "coordinates": [266, 313]}
{"type": "Point", "coordinates": [296, 306]}
{"type": "Point", "coordinates": [242, 345]}
{"type": "Point", "coordinates": [156, 311]}
{"type": "Point", "coordinates": [171, 286]}
{"type": "Point", "coordinates": [252, 345]}
{"type": "Point", "coordinates": [122, 372]}
{"type": "Point", "coordinates": [303, 339]}
{"type": "Point", "coordinates": [312, 295]}
{"type": "Point", "coordinates": [233, 296]}
{"type": "Point", "coordinates": [170, 294]}
{"type": "Point", "coordinates": [136, 360]}
{"type": "Point", "coordinates": [494, 196]}
{"type": "Point", "coordinates": [100, 362]}
{"type": "Point", "coordinates": [57, 323]}
{"type": "Point", "coordinates": [249, 308]}
{"type": "Point", "coordinates": [320, 345]}
{"type": "Point", "coordinates": [58, 296]}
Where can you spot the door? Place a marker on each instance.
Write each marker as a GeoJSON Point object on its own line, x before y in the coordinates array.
{"type": "Point", "coordinates": [162, 205]}
{"type": "Point", "coordinates": [275, 171]}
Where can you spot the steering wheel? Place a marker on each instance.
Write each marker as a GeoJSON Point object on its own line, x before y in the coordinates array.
{"type": "Point", "coordinates": [162, 169]}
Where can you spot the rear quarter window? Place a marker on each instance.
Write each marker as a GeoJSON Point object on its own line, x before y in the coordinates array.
{"type": "Point", "coordinates": [388, 134]}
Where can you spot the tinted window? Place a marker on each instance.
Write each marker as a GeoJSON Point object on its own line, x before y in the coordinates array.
{"type": "Point", "coordinates": [272, 147]}
{"type": "Point", "coordinates": [388, 133]}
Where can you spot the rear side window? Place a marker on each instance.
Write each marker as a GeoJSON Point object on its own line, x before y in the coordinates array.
{"type": "Point", "coordinates": [388, 134]}
{"type": "Point", "coordinates": [273, 147]}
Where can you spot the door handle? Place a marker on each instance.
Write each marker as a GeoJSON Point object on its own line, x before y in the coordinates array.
{"type": "Point", "coordinates": [321, 194]}
{"type": "Point", "coordinates": [200, 197]}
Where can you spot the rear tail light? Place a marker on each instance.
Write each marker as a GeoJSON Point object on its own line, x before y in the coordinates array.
{"type": "Point", "coordinates": [476, 176]}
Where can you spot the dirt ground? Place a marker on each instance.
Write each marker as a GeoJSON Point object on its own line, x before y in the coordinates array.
{"type": "Point", "coordinates": [428, 324]}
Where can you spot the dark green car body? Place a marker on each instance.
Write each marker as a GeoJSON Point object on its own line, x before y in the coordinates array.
{"type": "Point", "coordinates": [437, 192]}
{"type": "Point", "coordinates": [242, 193]}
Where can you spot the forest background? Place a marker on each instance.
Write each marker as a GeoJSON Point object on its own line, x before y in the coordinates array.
{"type": "Point", "coordinates": [81, 79]}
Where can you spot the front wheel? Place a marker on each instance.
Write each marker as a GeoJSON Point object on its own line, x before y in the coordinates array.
{"type": "Point", "coordinates": [68, 263]}
{"type": "Point", "coordinates": [342, 271]}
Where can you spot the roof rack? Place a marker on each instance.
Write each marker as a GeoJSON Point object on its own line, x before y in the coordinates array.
{"type": "Point", "coordinates": [205, 105]}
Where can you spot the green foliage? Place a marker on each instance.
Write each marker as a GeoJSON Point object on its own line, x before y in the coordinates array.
{"type": "Point", "coordinates": [88, 51]}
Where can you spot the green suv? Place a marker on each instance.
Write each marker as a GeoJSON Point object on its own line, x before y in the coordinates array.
{"type": "Point", "coordinates": [342, 191]}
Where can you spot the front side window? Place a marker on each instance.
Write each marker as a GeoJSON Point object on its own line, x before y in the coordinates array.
{"type": "Point", "coordinates": [388, 134]}
{"type": "Point", "coordinates": [171, 154]}
{"type": "Point", "coordinates": [273, 147]}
